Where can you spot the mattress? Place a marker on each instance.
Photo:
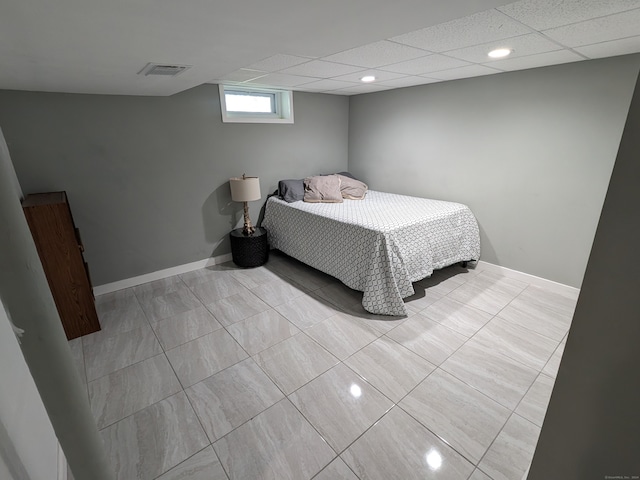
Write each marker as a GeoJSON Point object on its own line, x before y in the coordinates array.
{"type": "Point", "coordinates": [379, 245]}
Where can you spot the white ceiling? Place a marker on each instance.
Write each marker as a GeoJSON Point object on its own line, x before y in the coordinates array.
{"type": "Point", "coordinates": [93, 46]}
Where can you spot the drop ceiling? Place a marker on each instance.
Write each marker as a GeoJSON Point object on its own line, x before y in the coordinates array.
{"type": "Point", "coordinates": [91, 46]}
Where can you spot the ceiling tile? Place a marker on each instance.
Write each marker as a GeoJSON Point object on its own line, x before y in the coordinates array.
{"type": "Point", "coordinates": [242, 75]}
{"type": "Point", "coordinates": [376, 54]}
{"type": "Point", "coordinates": [464, 72]}
{"type": "Point", "coordinates": [282, 80]}
{"type": "Point", "coordinates": [278, 62]}
{"type": "Point", "coordinates": [540, 60]}
{"type": "Point", "coordinates": [422, 65]}
{"type": "Point", "coordinates": [380, 75]}
{"type": "Point", "coordinates": [479, 28]}
{"type": "Point", "coordinates": [598, 30]}
{"type": "Point", "coordinates": [612, 48]}
{"type": "Point", "coordinates": [408, 81]}
{"type": "Point", "coordinates": [321, 69]}
{"type": "Point", "coordinates": [360, 89]}
{"type": "Point", "coordinates": [545, 14]}
{"type": "Point", "coordinates": [324, 85]}
{"type": "Point", "coordinates": [522, 45]}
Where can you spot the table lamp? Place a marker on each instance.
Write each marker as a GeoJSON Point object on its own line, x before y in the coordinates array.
{"type": "Point", "coordinates": [245, 189]}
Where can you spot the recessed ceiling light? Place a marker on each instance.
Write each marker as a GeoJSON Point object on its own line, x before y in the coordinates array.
{"type": "Point", "coordinates": [368, 78]}
{"type": "Point", "coordinates": [500, 52]}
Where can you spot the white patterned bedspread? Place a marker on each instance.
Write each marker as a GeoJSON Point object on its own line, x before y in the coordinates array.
{"type": "Point", "coordinates": [379, 245]}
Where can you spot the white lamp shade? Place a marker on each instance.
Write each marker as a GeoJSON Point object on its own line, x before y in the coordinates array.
{"type": "Point", "coordinates": [245, 189]}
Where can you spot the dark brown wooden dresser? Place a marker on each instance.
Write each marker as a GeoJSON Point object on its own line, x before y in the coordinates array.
{"type": "Point", "coordinates": [60, 250]}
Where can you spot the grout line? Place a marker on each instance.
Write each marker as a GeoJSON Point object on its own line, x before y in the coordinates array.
{"type": "Point", "coordinates": [189, 458]}
{"type": "Point", "coordinates": [502, 429]}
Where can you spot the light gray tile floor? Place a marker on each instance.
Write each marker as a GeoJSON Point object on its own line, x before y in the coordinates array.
{"type": "Point", "coordinates": [278, 372]}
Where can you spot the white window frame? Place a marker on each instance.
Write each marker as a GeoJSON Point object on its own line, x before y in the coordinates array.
{"type": "Point", "coordinates": [283, 102]}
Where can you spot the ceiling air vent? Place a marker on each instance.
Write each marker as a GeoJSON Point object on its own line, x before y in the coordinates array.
{"type": "Point", "coordinates": [163, 70]}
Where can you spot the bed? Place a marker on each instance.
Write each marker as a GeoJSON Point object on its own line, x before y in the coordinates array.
{"type": "Point", "coordinates": [379, 245]}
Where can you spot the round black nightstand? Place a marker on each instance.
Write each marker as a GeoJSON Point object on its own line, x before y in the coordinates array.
{"type": "Point", "coordinates": [249, 250]}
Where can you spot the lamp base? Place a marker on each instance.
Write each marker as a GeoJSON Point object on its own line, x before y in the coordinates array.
{"type": "Point", "coordinates": [248, 228]}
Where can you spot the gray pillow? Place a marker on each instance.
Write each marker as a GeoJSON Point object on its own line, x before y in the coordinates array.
{"type": "Point", "coordinates": [346, 174]}
{"type": "Point", "coordinates": [291, 190]}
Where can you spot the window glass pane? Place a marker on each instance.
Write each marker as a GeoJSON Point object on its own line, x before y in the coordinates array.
{"type": "Point", "coordinates": [252, 103]}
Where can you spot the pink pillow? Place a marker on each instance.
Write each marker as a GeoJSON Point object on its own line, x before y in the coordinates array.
{"type": "Point", "coordinates": [352, 189]}
{"type": "Point", "coordinates": [322, 189]}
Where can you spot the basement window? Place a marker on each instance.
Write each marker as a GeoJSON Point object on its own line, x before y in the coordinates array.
{"type": "Point", "coordinates": [241, 104]}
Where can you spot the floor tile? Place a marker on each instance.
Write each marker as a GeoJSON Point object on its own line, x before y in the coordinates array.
{"type": "Point", "coordinates": [534, 405]}
{"type": "Point", "coordinates": [421, 299]}
{"type": "Point", "coordinates": [400, 447]}
{"type": "Point", "coordinates": [562, 302]}
{"type": "Point", "coordinates": [158, 288]}
{"type": "Point", "coordinates": [306, 310]}
{"type": "Point", "coordinates": [512, 451]}
{"type": "Point", "coordinates": [254, 277]}
{"type": "Point", "coordinates": [498, 282]}
{"type": "Point", "coordinates": [491, 333]}
{"type": "Point", "coordinates": [299, 272]}
{"type": "Point", "coordinates": [498, 377]}
{"type": "Point", "coordinates": [487, 300]}
{"type": "Point", "coordinates": [261, 331]}
{"type": "Point", "coordinates": [218, 288]}
{"type": "Point", "coordinates": [461, 273]}
{"type": "Point", "coordinates": [341, 335]}
{"type": "Point", "coordinates": [200, 358]}
{"type": "Point", "coordinates": [294, 362]}
{"type": "Point", "coordinates": [277, 293]}
{"type": "Point", "coordinates": [237, 307]}
{"type": "Point", "coordinates": [229, 398]}
{"type": "Point", "coordinates": [391, 368]}
{"type": "Point", "coordinates": [427, 338]}
{"type": "Point", "coordinates": [121, 313]}
{"type": "Point", "coordinates": [184, 327]}
{"type": "Point", "coordinates": [381, 323]}
{"type": "Point", "coordinates": [284, 446]}
{"type": "Point", "coordinates": [130, 389]}
{"type": "Point", "coordinates": [339, 295]}
{"type": "Point", "coordinates": [551, 368]}
{"type": "Point", "coordinates": [457, 316]}
{"type": "Point", "coordinates": [541, 311]}
{"type": "Point", "coordinates": [116, 299]}
{"type": "Point", "coordinates": [440, 284]}
{"type": "Point", "coordinates": [104, 353]}
{"type": "Point", "coordinates": [208, 274]}
{"type": "Point", "coordinates": [154, 440]}
{"type": "Point", "coordinates": [460, 415]}
{"type": "Point", "coordinates": [336, 470]}
{"type": "Point", "coordinates": [170, 304]}
{"type": "Point", "coordinates": [204, 465]}
{"type": "Point", "coordinates": [516, 342]}
{"type": "Point", "coordinates": [340, 405]}
{"type": "Point", "coordinates": [479, 475]}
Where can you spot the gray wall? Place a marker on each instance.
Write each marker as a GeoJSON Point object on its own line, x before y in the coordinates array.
{"type": "Point", "coordinates": [147, 177]}
{"type": "Point", "coordinates": [531, 153]}
{"type": "Point", "coordinates": [28, 445]}
{"type": "Point", "coordinates": [591, 429]}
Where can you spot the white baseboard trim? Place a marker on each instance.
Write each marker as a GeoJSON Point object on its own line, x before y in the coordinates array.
{"type": "Point", "coordinates": [532, 279]}
{"type": "Point", "coordinates": [160, 274]}
{"type": "Point", "coordinates": [189, 267]}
